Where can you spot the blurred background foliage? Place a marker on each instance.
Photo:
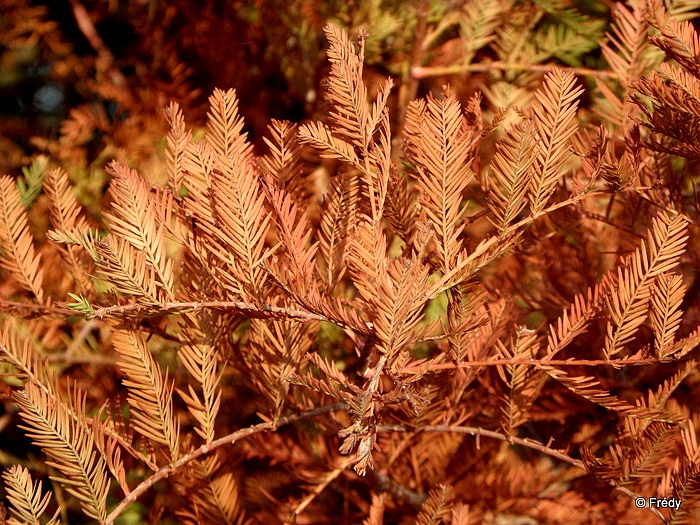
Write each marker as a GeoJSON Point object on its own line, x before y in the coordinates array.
{"type": "Point", "coordinates": [86, 80]}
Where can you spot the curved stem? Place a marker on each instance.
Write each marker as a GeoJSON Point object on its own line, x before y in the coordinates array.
{"type": "Point", "coordinates": [263, 311]}
{"type": "Point", "coordinates": [229, 439]}
{"type": "Point", "coordinates": [528, 443]}
{"type": "Point", "coordinates": [425, 72]}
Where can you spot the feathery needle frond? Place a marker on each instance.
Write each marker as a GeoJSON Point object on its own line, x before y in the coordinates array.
{"type": "Point", "coordinates": [574, 321]}
{"type": "Point", "coordinates": [439, 143]}
{"type": "Point", "coordinates": [176, 141]}
{"type": "Point", "coordinates": [523, 382]}
{"type": "Point", "coordinates": [225, 127]}
{"type": "Point", "coordinates": [511, 170]}
{"type": "Point", "coordinates": [125, 268]}
{"type": "Point", "coordinates": [66, 218]}
{"type": "Point", "coordinates": [666, 314]}
{"type": "Point", "coordinates": [200, 359]}
{"type": "Point", "coordinates": [321, 137]}
{"type": "Point", "coordinates": [338, 218]}
{"type": "Point", "coordinates": [555, 121]}
{"type": "Point", "coordinates": [138, 217]}
{"type": "Point", "coordinates": [68, 443]}
{"type": "Point", "coordinates": [215, 497]}
{"type": "Point", "coordinates": [24, 495]}
{"type": "Point", "coordinates": [589, 388]}
{"type": "Point", "coordinates": [628, 304]}
{"type": "Point", "coordinates": [16, 246]}
{"type": "Point", "coordinates": [347, 93]}
{"type": "Point", "coordinates": [437, 507]}
{"type": "Point", "coordinates": [150, 392]}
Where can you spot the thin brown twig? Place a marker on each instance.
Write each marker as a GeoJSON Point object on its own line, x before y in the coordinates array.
{"type": "Point", "coordinates": [262, 311]}
{"type": "Point", "coordinates": [68, 359]}
{"type": "Point", "coordinates": [34, 309]}
{"type": "Point", "coordinates": [326, 480]}
{"type": "Point", "coordinates": [482, 67]}
{"type": "Point", "coordinates": [386, 484]}
{"type": "Point", "coordinates": [611, 222]}
{"type": "Point", "coordinates": [415, 369]}
{"type": "Point", "coordinates": [528, 443]}
{"type": "Point", "coordinates": [481, 432]}
{"type": "Point", "coordinates": [229, 439]}
{"type": "Point", "coordinates": [87, 28]}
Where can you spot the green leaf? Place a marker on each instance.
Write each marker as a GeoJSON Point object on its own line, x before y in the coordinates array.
{"type": "Point", "coordinates": [30, 184]}
{"type": "Point", "coordinates": [81, 304]}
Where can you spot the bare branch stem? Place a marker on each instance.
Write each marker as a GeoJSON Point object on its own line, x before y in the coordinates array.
{"type": "Point", "coordinates": [482, 67]}
{"type": "Point", "coordinates": [416, 369]}
{"type": "Point", "coordinates": [528, 443]}
{"type": "Point", "coordinates": [22, 309]}
{"type": "Point", "coordinates": [229, 439]}
{"type": "Point", "coordinates": [481, 432]}
{"type": "Point", "coordinates": [263, 311]}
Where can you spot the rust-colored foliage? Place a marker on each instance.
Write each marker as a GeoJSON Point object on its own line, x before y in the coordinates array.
{"type": "Point", "coordinates": [495, 329]}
